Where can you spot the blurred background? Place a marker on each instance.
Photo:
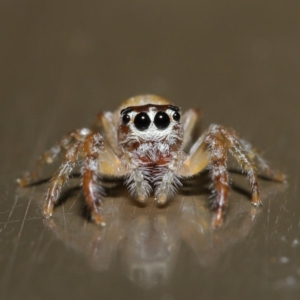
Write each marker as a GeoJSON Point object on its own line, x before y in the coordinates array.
{"type": "Point", "coordinates": [64, 61]}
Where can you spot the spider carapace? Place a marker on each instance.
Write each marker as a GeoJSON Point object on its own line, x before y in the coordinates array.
{"type": "Point", "coordinates": [144, 142]}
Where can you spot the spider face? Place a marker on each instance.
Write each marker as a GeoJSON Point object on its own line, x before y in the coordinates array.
{"type": "Point", "coordinates": [155, 124]}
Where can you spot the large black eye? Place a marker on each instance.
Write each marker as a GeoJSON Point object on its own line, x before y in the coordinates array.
{"type": "Point", "coordinates": [161, 120]}
{"type": "Point", "coordinates": [176, 116]}
{"type": "Point", "coordinates": [142, 121]}
{"type": "Point", "coordinates": [126, 119]}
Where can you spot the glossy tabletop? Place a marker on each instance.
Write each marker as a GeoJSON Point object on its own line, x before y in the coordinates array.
{"type": "Point", "coordinates": [63, 62]}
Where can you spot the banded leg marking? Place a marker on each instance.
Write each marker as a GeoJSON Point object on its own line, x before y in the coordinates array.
{"type": "Point", "coordinates": [93, 145]}
{"type": "Point", "coordinates": [218, 153]}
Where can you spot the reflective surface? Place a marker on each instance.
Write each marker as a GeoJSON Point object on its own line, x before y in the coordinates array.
{"type": "Point", "coordinates": [61, 65]}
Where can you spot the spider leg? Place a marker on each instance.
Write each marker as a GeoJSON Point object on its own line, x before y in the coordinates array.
{"type": "Point", "coordinates": [189, 121]}
{"type": "Point", "coordinates": [212, 148]}
{"type": "Point", "coordinates": [241, 155]}
{"type": "Point", "coordinates": [218, 155]}
{"type": "Point", "coordinates": [106, 125]}
{"type": "Point", "coordinates": [262, 164]}
{"type": "Point", "coordinates": [49, 156]}
{"type": "Point", "coordinates": [99, 159]}
{"type": "Point", "coordinates": [59, 178]}
{"type": "Point", "coordinates": [92, 147]}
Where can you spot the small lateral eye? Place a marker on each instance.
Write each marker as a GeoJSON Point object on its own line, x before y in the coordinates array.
{"type": "Point", "coordinates": [142, 121]}
{"type": "Point", "coordinates": [162, 120]}
{"type": "Point", "coordinates": [126, 119]}
{"type": "Point", "coordinates": [176, 116]}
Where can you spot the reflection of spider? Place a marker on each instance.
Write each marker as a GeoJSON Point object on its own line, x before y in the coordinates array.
{"type": "Point", "coordinates": [143, 141]}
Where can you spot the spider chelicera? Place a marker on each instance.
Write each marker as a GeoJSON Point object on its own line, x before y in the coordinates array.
{"type": "Point", "coordinates": [143, 141]}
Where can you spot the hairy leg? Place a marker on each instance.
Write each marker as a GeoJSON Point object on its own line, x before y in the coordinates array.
{"type": "Point", "coordinates": [252, 153]}
{"type": "Point", "coordinates": [99, 159]}
{"type": "Point", "coordinates": [93, 146]}
{"type": "Point", "coordinates": [59, 179]}
{"type": "Point", "coordinates": [218, 154]}
{"type": "Point", "coordinates": [210, 150]}
{"type": "Point", "coordinates": [212, 147]}
{"type": "Point", "coordinates": [243, 158]}
{"type": "Point", "coordinates": [49, 156]}
{"type": "Point", "coordinates": [262, 164]}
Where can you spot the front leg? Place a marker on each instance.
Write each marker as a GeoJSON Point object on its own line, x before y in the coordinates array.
{"type": "Point", "coordinates": [210, 150]}
{"type": "Point", "coordinates": [92, 147]}
{"type": "Point", "coordinates": [99, 159]}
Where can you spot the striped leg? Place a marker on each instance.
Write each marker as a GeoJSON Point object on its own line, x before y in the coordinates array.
{"type": "Point", "coordinates": [93, 146]}
{"type": "Point", "coordinates": [241, 155]}
{"type": "Point", "coordinates": [218, 154]}
{"type": "Point", "coordinates": [98, 158]}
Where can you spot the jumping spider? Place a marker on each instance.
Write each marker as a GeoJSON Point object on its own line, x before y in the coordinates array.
{"type": "Point", "coordinates": [143, 141]}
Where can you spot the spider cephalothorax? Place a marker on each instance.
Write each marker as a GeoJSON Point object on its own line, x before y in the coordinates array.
{"type": "Point", "coordinates": [143, 141]}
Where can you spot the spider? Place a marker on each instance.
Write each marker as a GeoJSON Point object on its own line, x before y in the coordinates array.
{"type": "Point", "coordinates": [144, 142]}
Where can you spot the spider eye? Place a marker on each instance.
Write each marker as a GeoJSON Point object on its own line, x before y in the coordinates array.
{"type": "Point", "coordinates": [161, 120]}
{"type": "Point", "coordinates": [126, 119]}
{"type": "Point", "coordinates": [176, 116]}
{"type": "Point", "coordinates": [142, 121]}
